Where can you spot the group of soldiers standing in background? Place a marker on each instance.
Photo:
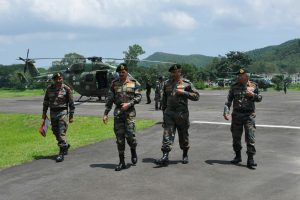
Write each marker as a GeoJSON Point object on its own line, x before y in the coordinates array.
{"type": "Point", "coordinates": [171, 96]}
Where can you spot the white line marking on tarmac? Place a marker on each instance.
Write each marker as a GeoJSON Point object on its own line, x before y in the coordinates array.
{"type": "Point", "coordinates": [257, 125]}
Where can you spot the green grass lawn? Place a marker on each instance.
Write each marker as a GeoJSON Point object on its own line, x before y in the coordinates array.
{"type": "Point", "coordinates": [7, 93]}
{"type": "Point", "coordinates": [20, 140]}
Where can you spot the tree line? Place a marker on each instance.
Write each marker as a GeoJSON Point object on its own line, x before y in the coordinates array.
{"type": "Point", "coordinates": [220, 67]}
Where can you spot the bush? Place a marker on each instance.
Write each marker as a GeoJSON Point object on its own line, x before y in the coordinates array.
{"type": "Point", "coordinates": [294, 86]}
{"type": "Point", "coordinates": [200, 85]}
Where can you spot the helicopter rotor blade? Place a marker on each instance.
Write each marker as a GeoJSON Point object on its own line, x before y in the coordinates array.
{"type": "Point", "coordinates": [26, 61]}
{"type": "Point", "coordinates": [20, 58]}
{"type": "Point", "coordinates": [45, 58]}
{"type": "Point", "coordinates": [27, 54]}
{"type": "Point", "coordinates": [138, 60]}
{"type": "Point", "coordinates": [92, 59]}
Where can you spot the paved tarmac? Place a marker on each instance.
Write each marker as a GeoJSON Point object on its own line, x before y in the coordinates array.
{"type": "Point", "coordinates": [88, 172]}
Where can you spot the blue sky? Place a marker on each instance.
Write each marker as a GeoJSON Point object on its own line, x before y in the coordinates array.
{"type": "Point", "coordinates": [107, 27]}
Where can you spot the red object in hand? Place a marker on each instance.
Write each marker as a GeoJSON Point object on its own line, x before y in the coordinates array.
{"type": "Point", "coordinates": [44, 127]}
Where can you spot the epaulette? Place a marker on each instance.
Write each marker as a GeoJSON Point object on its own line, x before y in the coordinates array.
{"type": "Point", "coordinates": [115, 80]}
{"type": "Point", "coordinates": [66, 86]}
{"type": "Point", "coordinates": [135, 81]}
{"type": "Point", "coordinates": [234, 84]}
{"type": "Point", "coordinates": [132, 79]}
{"type": "Point", "coordinates": [51, 86]}
{"type": "Point", "coordinates": [167, 81]}
{"type": "Point", "coordinates": [252, 84]}
{"type": "Point", "coordinates": [186, 80]}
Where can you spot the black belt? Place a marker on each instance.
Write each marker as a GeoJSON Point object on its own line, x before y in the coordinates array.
{"type": "Point", "coordinates": [244, 111]}
{"type": "Point", "coordinates": [58, 109]}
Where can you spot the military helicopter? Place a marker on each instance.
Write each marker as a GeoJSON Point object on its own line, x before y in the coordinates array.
{"type": "Point", "coordinates": [262, 82]}
{"type": "Point", "coordinates": [94, 82]}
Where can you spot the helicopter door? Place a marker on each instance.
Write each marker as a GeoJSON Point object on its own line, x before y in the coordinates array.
{"type": "Point", "coordinates": [102, 80]}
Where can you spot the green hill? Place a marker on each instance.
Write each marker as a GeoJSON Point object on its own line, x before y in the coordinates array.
{"type": "Point", "coordinates": [286, 50]}
{"type": "Point", "coordinates": [284, 57]}
{"type": "Point", "coordinates": [278, 58]}
{"type": "Point", "coordinates": [196, 59]}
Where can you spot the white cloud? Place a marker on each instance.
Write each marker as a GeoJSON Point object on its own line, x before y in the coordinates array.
{"type": "Point", "coordinates": [94, 13]}
{"type": "Point", "coordinates": [38, 36]}
{"type": "Point", "coordinates": [5, 7]}
{"type": "Point", "coordinates": [136, 13]}
{"type": "Point", "coordinates": [196, 24]}
{"type": "Point", "coordinates": [5, 40]}
{"type": "Point", "coordinates": [154, 42]}
{"type": "Point", "coordinates": [254, 13]}
{"type": "Point", "coordinates": [274, 13]}
{"type": "Point", "coordinates": [179, 20]}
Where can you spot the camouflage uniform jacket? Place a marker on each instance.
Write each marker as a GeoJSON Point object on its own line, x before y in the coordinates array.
{"type": "Point", "coordinates": [178, 103]}
{"type": "Point", "coordinates": [241, 102]}
{"type": "Point", "coordinates": [127, 92]}
{"type": "Point", "coordinates": [58, 99]}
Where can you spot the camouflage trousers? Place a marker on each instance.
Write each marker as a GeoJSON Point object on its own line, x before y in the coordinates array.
{"type": "Point", "coordinates": [173, 121]}
{"type": "Point", "coordinates": [124, 128]}
{"type": "Point", "coordinates": [239, 122]}
{"type": "Point", "coordinates": [157, 104]}
{"type": "Point", "coordinates": [59, 123]}
{"type": "Point", "coordinates": [157, 100]}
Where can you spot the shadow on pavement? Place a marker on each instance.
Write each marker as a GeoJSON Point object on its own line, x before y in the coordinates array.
{"type": "Point", "coordinates": [223, 162]}
{"type": "Point", "coordinates": [108, 166]}
{"type": "Point", "coordinates": [148, 160]}
{"type": "Point", "coordinates": [152, 160]}
{"type": "Point", "coordinates": [53, 157]}
{"type": "Point", "coordinates": [105, 165]}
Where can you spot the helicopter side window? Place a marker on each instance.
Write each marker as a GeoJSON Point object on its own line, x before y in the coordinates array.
{"type": "Point", "coordinates": [89, 78]}
{"type": "Point", "coordinates": [102, 80]}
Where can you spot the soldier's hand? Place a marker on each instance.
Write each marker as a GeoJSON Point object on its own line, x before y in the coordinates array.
{"type": "Point", "coordinates": [179, 92]}
{"type": "Point", "coordinates": [249, 93]}
{"type": "Point", "coordinates": [44, 116]}
{"type": "Point", "coordinates": [71, 120]}
{"type": "Point", "coordinates": [105, 119]}
{"type": "Point", "coordinates": [226, 116]}
{"type": "Point", "coordinates": [125, 106]}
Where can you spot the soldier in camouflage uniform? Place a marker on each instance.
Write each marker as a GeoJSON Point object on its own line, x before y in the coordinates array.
{"type": "Point", "coordinates": [148, 90]}
{"type": "Point", "coordinates": [176, 92]}
{"type": "Point", "coordinates": [243, 94]}
{"type": "Point", "coordinates": [158, 93]}
{"type": "Point", "coordinates": [59, 98]}
{"type": "Point", "coordinates": [124, 93]}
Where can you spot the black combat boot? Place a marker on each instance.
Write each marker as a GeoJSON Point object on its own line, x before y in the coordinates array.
{"type": "Point", "coordinates": [134, 158]}
{"type": "Point", "coordinates": [185, 158]}
{"type": "Point", "coordinates": [66, 150]}
{"type": "Point", "coordinates": [250, 162]}
{"type": "Point", "coordinates": [122, 164]}
{"type": "Point", "coordinates": [60, 156]}
{"type": "Point", "coordinates": [164, 160]}
{"type": "Point", "coordinates": [238, 158]}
